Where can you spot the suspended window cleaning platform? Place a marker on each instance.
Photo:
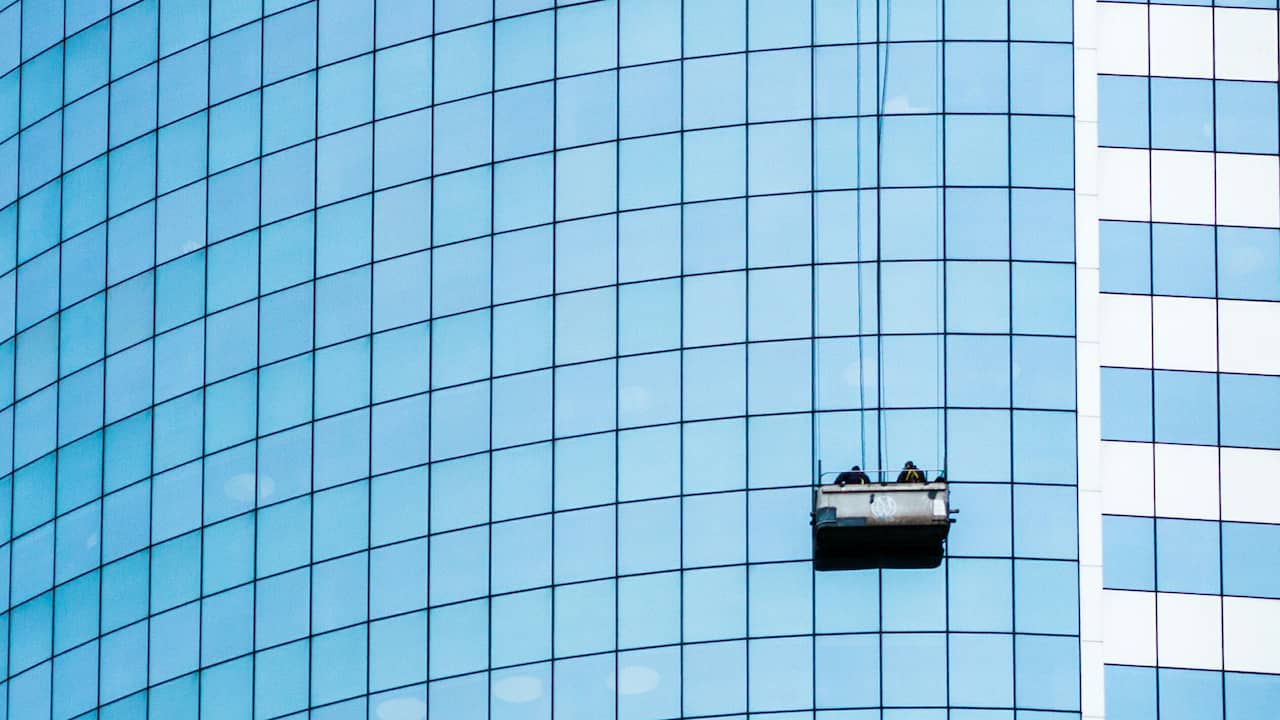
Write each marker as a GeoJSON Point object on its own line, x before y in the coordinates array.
{"type": "Point", "coordinates": [879, 524]}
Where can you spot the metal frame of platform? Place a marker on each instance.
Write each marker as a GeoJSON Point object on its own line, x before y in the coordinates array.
{"type": "Point", "coordinates": [896, 525]}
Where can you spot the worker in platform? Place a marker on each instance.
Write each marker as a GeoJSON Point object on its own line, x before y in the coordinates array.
{"type": "Point", "coordinates": [853, 476]}
{"type": "Point", "coordinates": [911, 474]}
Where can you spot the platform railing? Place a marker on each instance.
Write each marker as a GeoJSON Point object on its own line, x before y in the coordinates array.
{"type": "Point", "coordinates": [881, 476]}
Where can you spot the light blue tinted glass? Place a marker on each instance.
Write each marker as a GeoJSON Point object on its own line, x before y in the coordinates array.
{"type": "Point", "coordinates": [1041, 75]}
{"type": "Point", "coordinates": [980, 595]}
{"type": "Point", "coordinates": [968, 87]}
{"type": "Point", "coordinates": [1248, 263]}
{"type": "Point", "coordinates": [1182, 260]}
{"type": "Point", "coordinates": [1246, 559]}
{"type": "Point", "coordinates": [982, 669]}
{"type": "Point", "coordinates": [1248, 695]}
{"type": "Point", "coordinates": [524, 51]}
{"type": "Point", "coordinates": [415, 351]}
{"type": "Point", "coordinates": [1129, 559]}
{"type": "Point", "coordinates": [1182, 114]}
{"type": "Point", "coordinates": [1243, 399]}
{"type": "Point", "coordinates": [1186, 407]}
{"type": "Point", "coordinates": [1187, 556]}
{"type": "Point", "coordinates": [1126, 400]}
{"type": "Point", "coordinates": [1245, 118]}
{"type": "Point", "coordinates": [1131, 692]}
{"type": "Point", "coordinates": [1126, 257]}
{"type": "Point", "coordinates": [1190, 693]}
{"type": "Point", "coordinates": [1123, 111]}
{"type": "Point", "coordinates": [1043, 596]}
{"type": "Point", "coordinates": [903, 650]}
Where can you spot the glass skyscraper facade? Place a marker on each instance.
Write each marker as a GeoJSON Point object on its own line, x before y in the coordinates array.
{"type": "Point", "coordinates": [1190, 279]}
{"type": "Point", "coordinates": [476, 359]}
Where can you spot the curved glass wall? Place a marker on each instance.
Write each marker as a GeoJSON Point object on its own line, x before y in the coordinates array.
{"type": "Point", "coordinates": [366, 358]}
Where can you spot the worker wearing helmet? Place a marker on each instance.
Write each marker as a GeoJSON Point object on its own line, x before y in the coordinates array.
{"type": "Point", "coordinates": [853, 476]}
{"type": "Point", "coordinates": [911, 474]}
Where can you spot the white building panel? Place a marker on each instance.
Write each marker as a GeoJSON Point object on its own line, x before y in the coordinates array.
{"type": "Point", "coordinates": [1125, 330]}
{"type": "Point", "coordinates": [1187, 481]}
{"type": "Point", "coordinates": [1185, 333]}
{"type": "Point", "coordinates": [1182, 187]}
{"type": "Point", "coordinates": [1122, 38]}
{"type": "Point", "coordinates": [1127, 478]}
{"type": "Point", "coordinates": [1124, 184]}
{"type": "Point", "coordinates": [1190, 628]}
{"type": "Point", "coordinates": [1249, 189]}
{"type": "Point", "coordinates": [1089, 505]}
{"type": "Point", "coordinates": [1181, 41]}
{"type": "Point", "coordinates": [1245, 44]}
{"type": "Point", "coordinates": [1252, 634]}
{"type": "Point", "coordinates": [1129, 624]}
{"type": "Point", "coordinates": [1250, 336]}
{"type": "Point", "coordinates": [1249, 490]}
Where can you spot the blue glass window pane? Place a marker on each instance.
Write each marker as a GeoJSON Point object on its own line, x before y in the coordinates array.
{"type": "Point", "coordinates": [976, 77]}
{"type": "Point", "coordinates": [1043, 372]}
{"type": "Point", "coordinates": [977, 223]}
{"type": "Point", "coordinates": [1042, 74]}
{"type": "Point", "coordinates": [458, 638]}
{"type": "Point", "coordinates": [459, 565]}
{"type": "Point", "coordinates": [1245, 117]}
{"type": "Point", "coordinates": [338, 664]}
{"type": "Point", "coordinates": [1043, 151]}
{"type": "Point", "coordinates": [989, 535]}
{"type": "Point", "coordinates": [339, 592]}
{"type": "Point", "coordinates": [980, 595]}
{"type": "Point", "coordinates": [715, 678]}
{"type": "Point", "coordinates": [910, 148]}
{"type": "Point", "coordinates": [280, 684]}
{"type": "Point", "coordinates": [912, 600]}
{"type": "Point", "coordinates": [1044, 521]}
{"type": "Point", "coordinates": [1251, 559]}
{"type": "Point", "coordinates": [1187, 556]}
{"type": "Point", "coordinates": [586, 38]}
{"type": "Point", "coordinates": [1045, 671]}
{"type": "Point", "coordinates": [1044, 447]}
{"type": "Point", "coordinates": [1182, 114]}
{"type": "Point", "coordinates": [524, 51]}
{"type": "Point", "coordinates": [981, 670]}
{"type": "Point", "coordinates": [1127, 404]}
{"type": "Point", "coordinates": [1131, 692]}
{"type": "Point", "coordinates": [1043, 225]}
{"type": "Point", "coordinates": [1129, 558]}
{"type": "Point", "coordinates": [1247, 402]}
{"type": "Point", "coordinates": [462, 66]}
{"type": "Point", "coordinates": [1188, 694]}
{"type": "Point", "coordinates": [457, 13]}
{"type": "Point", "coordinates": [1045, 21]}
{"type": "Point", "coordinates": [1248, 263]}
{"type": "Point", "coordinates": [521, 627]}
{"type": "Point", "coordinates": [777, 23]}
{"type": "Point", "coordinates": [1186, 407]}
{"type": "Point", "coordinates": [650, 31]}
{"type": "Point", "coordinates": [1045, 597]}
{"type": "Point", "coordinates": [905, 651]}
{"type": "Point", "coordinates": [1123, 111]}
{"type": "Point", "coordinates": [1251, 697]}
{"type": "Point", "coordinates": [779, 672]}
{"type": "Point", "coordinates": [1126, 257]}
{"type": "Point", "coordinates": [1183, 260]}
{"type": "Point", "coordinates": [584, 616]}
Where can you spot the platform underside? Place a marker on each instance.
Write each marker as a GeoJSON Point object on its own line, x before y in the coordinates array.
{"type": "Point", "coordinates": [842, 547]}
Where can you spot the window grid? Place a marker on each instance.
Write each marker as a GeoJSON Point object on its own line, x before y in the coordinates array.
{"type": "Point", "coordinates": [1194, 411]}
{"type": "Point", "coordinates": [1022, 402]}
